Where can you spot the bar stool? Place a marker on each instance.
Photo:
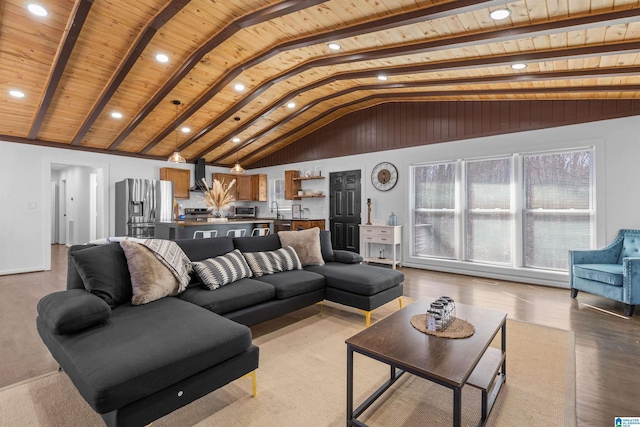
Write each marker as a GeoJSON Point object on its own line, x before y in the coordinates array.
{"type": "Point", "coordinates": [260, 231]}
{"type": "Point", "coordinates": [205, 233]}
{"type": "Point", "coordinates": [238, 232]}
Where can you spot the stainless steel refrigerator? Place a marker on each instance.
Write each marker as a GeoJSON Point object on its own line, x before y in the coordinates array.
{"type": "Point", "coordinates": [140, 204]}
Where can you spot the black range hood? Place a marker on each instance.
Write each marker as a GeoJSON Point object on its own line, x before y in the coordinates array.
{"type": "Point", "coordinates": [199, 175]}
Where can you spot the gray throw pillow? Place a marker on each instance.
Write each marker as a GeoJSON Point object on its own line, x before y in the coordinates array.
{"type": "Point", "coordinates": [306, 244]}
{"type": "Point", "coordinates": [221, 270]}
{"type": "Point", "coordinates": [284, 259]}
{"type": "Point", "coordinates": [72, 311]}
{"type": "Point", "coordinates": [105, 273]}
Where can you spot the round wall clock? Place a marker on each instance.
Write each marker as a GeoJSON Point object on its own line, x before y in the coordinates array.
{"type": "Point", "coordinates": [384, 176]}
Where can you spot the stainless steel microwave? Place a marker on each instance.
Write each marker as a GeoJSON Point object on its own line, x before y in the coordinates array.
{"type": "Point", "coordinates": [245, 211]}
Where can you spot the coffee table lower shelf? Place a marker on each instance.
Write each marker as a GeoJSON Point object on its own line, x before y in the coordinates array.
{"type": "Point", "coordinates": [488, 376]}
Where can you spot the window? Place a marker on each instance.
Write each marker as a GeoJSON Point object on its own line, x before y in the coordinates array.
{"type": "Point", "coordinates": [558, 207]}
{"type": "Point", "coordinates": [434, 214]}
{"type": "Point", "coordinates": [483, 211]}
{"type": "Point", "coordinates": [276, 194]}
{"type": "Point", "coordinates": [488, 213]}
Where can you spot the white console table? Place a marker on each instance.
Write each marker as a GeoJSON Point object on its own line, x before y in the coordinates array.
{"type": "Point", "coordinates": [382, 235]}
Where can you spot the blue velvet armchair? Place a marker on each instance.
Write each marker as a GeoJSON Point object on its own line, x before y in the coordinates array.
{"type": "Point", "coordinates": [612, 272]}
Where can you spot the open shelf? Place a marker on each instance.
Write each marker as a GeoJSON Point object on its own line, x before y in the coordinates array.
{"type": "Point", "coordinates": [308, 196]}
{"type": "Point", "coordinates": [304, 178]}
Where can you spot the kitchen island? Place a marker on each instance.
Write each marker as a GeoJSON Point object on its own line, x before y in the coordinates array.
{"type": "Point", "coordinates": [176, 230]}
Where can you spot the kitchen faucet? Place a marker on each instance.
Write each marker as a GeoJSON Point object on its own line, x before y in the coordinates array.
{"type": "Point", "coordinates": [277, 209]}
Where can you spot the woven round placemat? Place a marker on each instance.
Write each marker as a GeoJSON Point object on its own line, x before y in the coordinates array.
{"type": "Point", "coordinates": [458, 329]}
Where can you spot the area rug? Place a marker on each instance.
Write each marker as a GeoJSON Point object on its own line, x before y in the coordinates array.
{"type": "Point", "coordinates": [302, 381]}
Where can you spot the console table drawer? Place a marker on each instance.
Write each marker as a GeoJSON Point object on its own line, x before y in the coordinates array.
{"type": "Point", "coordinates": [378, 238]}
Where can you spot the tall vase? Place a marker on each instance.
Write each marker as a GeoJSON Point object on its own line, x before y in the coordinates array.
{"type": "Point", "coordinates": [216, 213]}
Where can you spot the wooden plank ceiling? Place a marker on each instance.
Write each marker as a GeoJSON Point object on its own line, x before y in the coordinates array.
{"type": "Point", "coordinates": [88, 59]}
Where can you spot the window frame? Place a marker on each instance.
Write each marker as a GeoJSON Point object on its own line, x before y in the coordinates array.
{"type": "Point", "coordinates": [516, 271]}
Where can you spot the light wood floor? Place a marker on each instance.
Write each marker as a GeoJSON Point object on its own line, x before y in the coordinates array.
{"type": "Point", "coordinates": [607, 346]}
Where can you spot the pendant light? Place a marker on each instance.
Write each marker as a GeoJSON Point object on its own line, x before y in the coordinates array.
{"type": "Point", "coordinates": [237, 168]}
{"type": "Point", "coordinates": [176, 157]}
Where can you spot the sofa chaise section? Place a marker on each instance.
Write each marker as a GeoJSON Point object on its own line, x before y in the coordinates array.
{"type": "Point", "coordinates": [140, 351]}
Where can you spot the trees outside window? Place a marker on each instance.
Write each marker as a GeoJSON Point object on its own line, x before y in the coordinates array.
{"type": "Point", "coordinates": [522, 210]}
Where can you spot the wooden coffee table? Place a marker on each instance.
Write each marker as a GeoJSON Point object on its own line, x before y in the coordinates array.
{"type": "Point", "coordinates": [396, 343]}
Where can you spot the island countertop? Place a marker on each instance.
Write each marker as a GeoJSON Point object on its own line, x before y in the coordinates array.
{"type": "Point", "coordinates": [185, 229]}
{"type": "Point", "coordinates": [186, 223]}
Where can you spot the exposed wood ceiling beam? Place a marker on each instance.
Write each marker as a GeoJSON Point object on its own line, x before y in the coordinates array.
{"type": "Point", "coordinates": [62, 145]}
{"type": "Point", "coordinates": [134, 53]}
{"type": "Point", "coordinates": [460, 94]}
{"type": "Point", "coordinates": [259, 16]}
{"type": "Point", "coordinates": [611, 49]}
{"type": "Point", "coordinates": [509, 78]}
{"type": "Point", "coordinates": [74, 26]}
{"type": "Point", "coordinates": [432, 12]}
{"type": "Point", "coordinates": [493, 36]}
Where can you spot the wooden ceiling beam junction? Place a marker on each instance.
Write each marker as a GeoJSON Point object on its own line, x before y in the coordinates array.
{"type": "Point", "coordinates": [528, 77]}
{"type": "Point", "coordinates": [404, 95]}
{"type": "Point", "coordinates": [432, 12]}
{"type": "Point", "coordinates": [500, 35]}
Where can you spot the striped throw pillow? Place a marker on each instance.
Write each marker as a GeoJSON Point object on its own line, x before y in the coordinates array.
{"type": "Point", "coordinates": [218, 271]}
{"type": "Point", "coordinates": [283, 259]}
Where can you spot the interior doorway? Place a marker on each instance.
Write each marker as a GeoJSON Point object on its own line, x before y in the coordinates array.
{"type": "Point", "coordinates": [77, 202]}
{"type": "Point", "coordinates": [345, 209]}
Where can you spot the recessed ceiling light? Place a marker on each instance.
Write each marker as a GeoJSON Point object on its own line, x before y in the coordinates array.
{"type": "Point", "coordinates": [161, 57]}
{"type": "Point", "coordinates": [236, 139]}
{"type": "Point", "coordinates": [186, 129]}
{"type": "Point", "coordinates": [518, 66]}
{"type": "Point", "coordinates": [291, 105]}
{"type": "Point", "coordinates": [37, 10]}
{"type": "Point", "coordinates": [116, 115]}
{"type": "Point", "coordinates": [334, 46]}
{"type": "Point", "coordinates": [239, 87]}
{"type": "Point", "coordinates": [383, 78]}
{"type": "Point", "coordinates": [16, 94]}
{"type": "Point", "coordinates": [499, 14]}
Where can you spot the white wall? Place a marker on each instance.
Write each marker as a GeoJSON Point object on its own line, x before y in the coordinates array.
{"type": "Point", "coordinates": [25, 176]}
{"type": "Point", "coordinates": [617, 155]}
{"type": "Point", "coordinates": [25, 201]}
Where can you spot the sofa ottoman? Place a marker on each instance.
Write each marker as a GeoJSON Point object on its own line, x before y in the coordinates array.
{"type": "Point", "coordinates": [364, 287]}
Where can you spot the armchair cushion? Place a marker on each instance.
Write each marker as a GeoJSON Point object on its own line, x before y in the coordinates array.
{"type": "Point", "coordinates": [630, 247]}
{"type": "Point", "coordinates": [610, 274]}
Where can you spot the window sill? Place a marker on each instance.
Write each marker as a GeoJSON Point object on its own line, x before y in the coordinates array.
{"type": "Point", "coordinates": [559, 279]}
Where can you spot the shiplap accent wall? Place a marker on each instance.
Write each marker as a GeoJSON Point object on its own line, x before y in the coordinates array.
{"type": "Point", "coordinates": [409, 124]}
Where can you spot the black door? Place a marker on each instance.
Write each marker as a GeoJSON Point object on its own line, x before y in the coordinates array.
{"type": "Point", "coordinates": [344, 210]}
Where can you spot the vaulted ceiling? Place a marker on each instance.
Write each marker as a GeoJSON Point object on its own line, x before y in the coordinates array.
{"type": "Point", "coordinates": [88, 60]}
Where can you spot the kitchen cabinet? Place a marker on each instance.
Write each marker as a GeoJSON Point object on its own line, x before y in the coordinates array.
{"type": "Point", "coordinates": [225, 179]}
{"type": "Point", "coordinates": [244, 190]}
{"type": "Point", "coordinates": [259, 185]}
{"type": "Point", "coordinates": [246, 187]}
{"type": "Point", "coordinates": [293, 184]}
{"type": "Point", "coordinates": [181, 179]}
{"type": "Point", "coordinates": [297, 224]}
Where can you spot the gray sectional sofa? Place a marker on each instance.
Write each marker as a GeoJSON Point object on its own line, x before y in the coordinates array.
{"type": "Point", "coordinates": [136, 363]}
